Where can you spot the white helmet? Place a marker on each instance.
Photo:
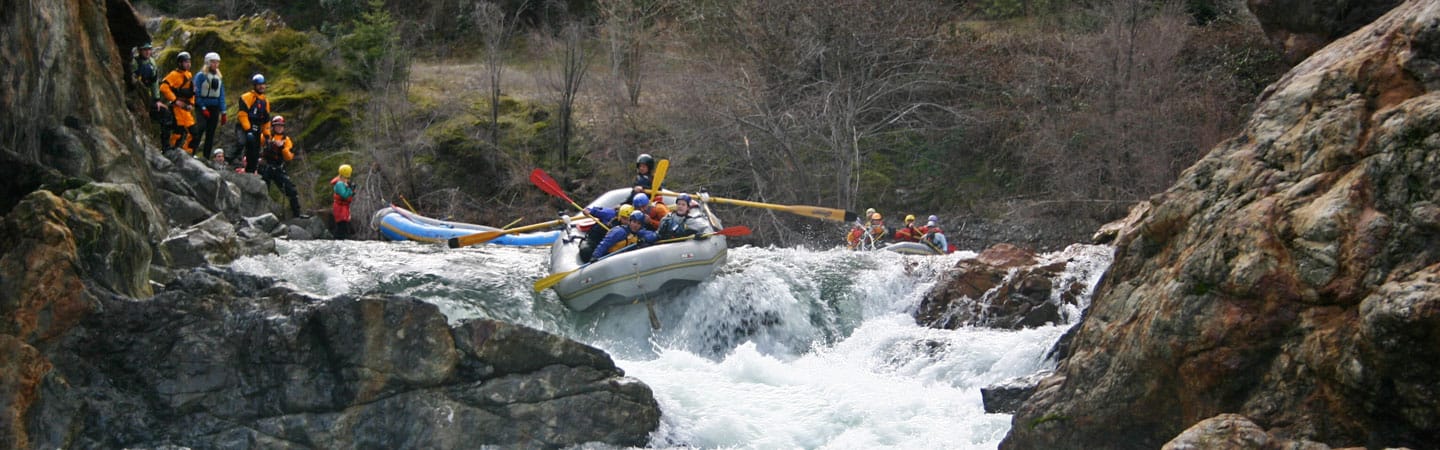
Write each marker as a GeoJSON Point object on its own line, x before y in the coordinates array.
{"type": "Point", "coordinates": [212, 56]}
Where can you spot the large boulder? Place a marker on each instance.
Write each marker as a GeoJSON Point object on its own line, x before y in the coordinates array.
{"type": "Point", "coordinates": [1004, 287]}
{"type": "Point", "coordinates": [53, 248]}
{"type": "Point", "coordinates": [224, 360]}
{"type": "Point", "coordinates": [1290, 276]}
{"type": "Point", "coordinates": [217, 241]}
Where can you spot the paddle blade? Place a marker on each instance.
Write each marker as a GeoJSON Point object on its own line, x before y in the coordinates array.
{"type": "Point", "coordinates": [551, 280]}
{"type": "Point", "coordinates": [543, 181]}
{"type": "Point", "coordinates": [851, 217]}
{"type": "Point", "coordinates": [660, 169]}
{"type": "Point", "coordinates": [477, 238]}
{"type": "Point", "coordinates": [738, 230]}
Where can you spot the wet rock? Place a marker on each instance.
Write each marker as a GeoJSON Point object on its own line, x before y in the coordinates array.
{"type": "Point", "coordinates": [266, 223]}
{"type": "Point", "coordinates": [1006, 397]}
{"type": "Point", "coordinates": [215, 241]}
{"type": "Point", "coordinates": [1229, 431]}
{"type": "Point", "coordinates": [1234, 431]}
{"type": "Point", "coordinates": [1004, 287]}
{"type": "Point", "coordinates": [221, 359]}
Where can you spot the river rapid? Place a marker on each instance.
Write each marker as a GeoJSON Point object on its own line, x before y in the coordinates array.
{"type": "Point", "coordinates": [784, 348]}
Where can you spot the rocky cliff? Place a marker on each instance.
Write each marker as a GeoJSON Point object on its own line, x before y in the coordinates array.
{"type": "Point", "coordinates": [115, 332]}
{"type": "Point", "coordinates": [1288, 285]}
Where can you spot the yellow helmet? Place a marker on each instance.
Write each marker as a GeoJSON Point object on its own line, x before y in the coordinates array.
{"type": "Point", "coordinates": [909, 218]}
{"type": "Point", "coordinates": [345, 170]}
{"type": "Point", "coordinates": [625, 211]}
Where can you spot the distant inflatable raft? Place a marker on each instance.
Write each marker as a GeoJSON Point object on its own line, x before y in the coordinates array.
{"type": "Point", "coordinates": [396, 224]}
{"type": "Point", "coordinates": [913, 248]}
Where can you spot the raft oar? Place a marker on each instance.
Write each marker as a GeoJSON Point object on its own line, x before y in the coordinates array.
{"type": "Point", "coordinates": [487, 236]}
{"type": "Point", "coordinates": [547, 184]}
{"type": "Point", "coordinates": [838, 215]}
{"type": "Point", "coordinates": [552, 279]}
{"type": "Point", "coordinates": [660, 169]}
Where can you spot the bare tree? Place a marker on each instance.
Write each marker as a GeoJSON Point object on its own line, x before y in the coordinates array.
{"type": "Point", "coordinates": [832, 78]}
{"type": "Point", "coordinates": [496, 32]}
{"type": "Point", "coordinates": [630, 27]}
{"type": "Point", "coordinates": [572, 63]}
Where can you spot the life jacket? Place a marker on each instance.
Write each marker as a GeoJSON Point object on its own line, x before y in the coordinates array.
{"type": "Point", "coordinates": [929, 234]}
{"type": "Point", "coordinates": [212, 86]}
{"type": "Point", "coordinates": [877, 231]}
{"type": "Point", "coordinates": [630, 239]}
{"type": "Point", "coordinates": [258, 111]}
{"type": "Point", "coordinates": [270, 153]}
{"type": "Point", "coordinates": [145, 69]}
{"type": "Point", "coordinates": [341, 207]}
{"type": "Point", "coordinates": [908, 234]}
{"type": "Point", "coordinates": [185, 90]}
{"type": "Point", "coordinates": [853, 238]}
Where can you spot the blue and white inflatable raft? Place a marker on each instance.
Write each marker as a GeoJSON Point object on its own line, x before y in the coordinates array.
{"type": "Point", "coordinates": [400, 225]}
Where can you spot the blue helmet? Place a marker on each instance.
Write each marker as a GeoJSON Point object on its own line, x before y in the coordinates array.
{"type": "Point", "coordinates": [637, 216]}
{"type": "Point", "coordinates": [684, 198]}
{"type": "Point", "coordinates": [641, 200]}
{"type": "Point", "coordinates": [933, 218]}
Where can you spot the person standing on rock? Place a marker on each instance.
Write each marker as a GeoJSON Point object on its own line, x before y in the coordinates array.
{"type": "Point", "coordinates": [179, 91]}
{"type": "Point", "coordinates": [210, 97]}
{"type": "Point", "coordinates": [253, 118]}
{"type": "Point", "coordinates": [148, 75]}
{"type": "Point", "coordinates": [344, 194]}
{"type": "Point", "coordinates": [272, 162]}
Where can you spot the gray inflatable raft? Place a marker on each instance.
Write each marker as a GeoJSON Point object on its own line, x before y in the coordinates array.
{"type": "Point", "coordinates": [634, 275]}
{"type": "Point", "coordinates": [912, 248]}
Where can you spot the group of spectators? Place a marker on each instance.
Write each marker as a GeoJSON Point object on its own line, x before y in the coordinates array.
{"type": "Point", "coordinates": [176, 98]}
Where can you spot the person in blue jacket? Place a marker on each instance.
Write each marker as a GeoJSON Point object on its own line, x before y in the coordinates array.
{"type": "Point", "coordinates": [210, 99]}
{"type": "Point", "coordinates": [596, 233]}
{"type": "Point", "coordinates": [633, 232]}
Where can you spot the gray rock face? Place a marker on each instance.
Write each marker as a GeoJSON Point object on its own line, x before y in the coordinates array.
{"type": "Point", "coordinates": [222, 360]}
{"type": "Point", "coordinates": [1302, 27]}
{"type": "Point", "coordinates": [1290, 276]}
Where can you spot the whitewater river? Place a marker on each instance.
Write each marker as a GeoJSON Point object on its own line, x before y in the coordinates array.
{"type": "Point", "coordinates": [785, 348]}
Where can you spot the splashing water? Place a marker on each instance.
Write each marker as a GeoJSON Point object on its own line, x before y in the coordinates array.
{"type": "Point", "coordinates": [784, 348]}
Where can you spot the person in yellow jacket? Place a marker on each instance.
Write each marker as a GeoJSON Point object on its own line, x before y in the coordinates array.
{"type": "Point", "coordinates": [253, 118]}
{"type": "Point", "coordinates": [179, 91]}
{"type": "Point", "coordinates": [272, 162]}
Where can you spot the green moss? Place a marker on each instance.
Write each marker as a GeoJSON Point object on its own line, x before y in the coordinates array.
{"type": "Point", "coordinates": [1047, 418]}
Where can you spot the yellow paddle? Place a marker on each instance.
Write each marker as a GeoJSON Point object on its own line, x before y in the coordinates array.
{"type": "Point", "coordinates": [487, 236]}
{"type": "Point", "coordinates": [838, 215]}
{"type": "Point", "coordinates": [660, 169]}
{"type": "Point", "coordinates": [552, 279]}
